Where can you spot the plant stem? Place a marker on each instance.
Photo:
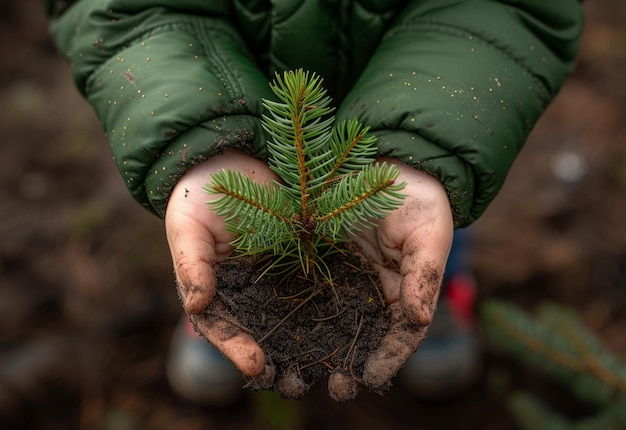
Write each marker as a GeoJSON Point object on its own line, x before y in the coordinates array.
{"type": "Point", "coordinates": [352, 203]}
{"type": "Point", "coordinates": [333, 175]}
{"type": "Point", "coordinates": [300, 153]}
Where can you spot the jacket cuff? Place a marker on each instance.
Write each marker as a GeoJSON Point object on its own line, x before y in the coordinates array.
{"type": "Point", "coordinates": [455, 174]}
{"type": "Point", "coordinates": [193, 146]}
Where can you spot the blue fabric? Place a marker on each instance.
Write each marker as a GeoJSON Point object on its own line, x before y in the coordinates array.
{"type": "Point", "coordinates": [459, 259]}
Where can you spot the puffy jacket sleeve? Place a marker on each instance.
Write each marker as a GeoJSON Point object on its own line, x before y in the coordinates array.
{"type": "Point", "coordinates": [170, 88]}
{"type": "Point", "coordinates": [456, 86]}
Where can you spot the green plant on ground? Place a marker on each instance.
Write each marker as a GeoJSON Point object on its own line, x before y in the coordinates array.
{"type": "Point", "coordinates": [330, 189]}
{"type": "Point", "coordinates": [557, 341]}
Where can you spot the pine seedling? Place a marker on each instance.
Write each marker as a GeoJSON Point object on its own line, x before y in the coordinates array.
{"type": "Point", "coordinates": [330, 185]}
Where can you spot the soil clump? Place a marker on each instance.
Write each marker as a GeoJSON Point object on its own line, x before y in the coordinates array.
{"type": "Point", "coordinates": [308, 330]}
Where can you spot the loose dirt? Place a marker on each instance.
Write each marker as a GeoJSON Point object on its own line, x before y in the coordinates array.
{"type": "Point", "coordinates": [308, 328]}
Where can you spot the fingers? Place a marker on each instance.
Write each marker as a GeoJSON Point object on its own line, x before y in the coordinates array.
{"type": "Point", "coordinates": [193, 254]}
{"type": "Point", "coordinates": [264, 380]}
{"type": "Point", "coordinates": [417, 281]}
{"type": "Point", "coordinates": [402, 340]}
{"type": "Point", "coordinates": [342, 387]}
{"type": "Point", "coordinates": [291, 385]}
{"type": "Point", "coordinates": [422, 276]}
{"type": "Point", "coordinates": [421, 271]}
{"type": "Point", "coordinates": [230, 338]}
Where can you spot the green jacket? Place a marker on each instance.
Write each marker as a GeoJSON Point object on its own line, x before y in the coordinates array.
{"type": "Point", "coordinates": [451, 87]}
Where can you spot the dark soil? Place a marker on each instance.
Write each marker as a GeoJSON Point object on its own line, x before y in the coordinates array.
{"type": "Point", "coordinates": [307, 327]}
{"type": "Point", "coordinates": [87, 295]}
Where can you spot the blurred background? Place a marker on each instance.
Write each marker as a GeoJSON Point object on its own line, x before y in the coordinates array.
{"type": "Point", "coordinates": [87, 299]}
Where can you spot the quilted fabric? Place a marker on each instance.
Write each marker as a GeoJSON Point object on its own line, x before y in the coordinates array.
{"type": "Point", "coordinates": [451, 87]}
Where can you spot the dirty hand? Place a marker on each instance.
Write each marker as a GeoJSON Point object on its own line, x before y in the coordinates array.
{"type": "Point", "coordinates": [198, 241]}
{"type": "Point", "coordinates": [409, 249]}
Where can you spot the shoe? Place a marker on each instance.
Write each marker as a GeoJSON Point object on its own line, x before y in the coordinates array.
{"type": "Point", "coordinates": [448, 362]}
{"type": "Point", "coordinates": [198, 372]}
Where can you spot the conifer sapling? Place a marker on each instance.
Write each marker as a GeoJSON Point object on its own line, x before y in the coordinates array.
{"type": "Point", "coordinates": [331, 186]}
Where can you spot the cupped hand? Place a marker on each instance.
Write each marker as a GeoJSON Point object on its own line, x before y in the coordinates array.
{"type": "Point", "coordinates": [409, 249]}
{"type": "Point", "coordinates": [198, 242]}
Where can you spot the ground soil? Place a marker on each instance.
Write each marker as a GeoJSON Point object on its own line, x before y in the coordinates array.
{"type": "Point", "coordinates": [87, 297]}
{"type": "Point", "coordinates": [307, 327]}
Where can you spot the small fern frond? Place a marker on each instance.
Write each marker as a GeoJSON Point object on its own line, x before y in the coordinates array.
{"type": "Point", "coordinates": [357, 201]}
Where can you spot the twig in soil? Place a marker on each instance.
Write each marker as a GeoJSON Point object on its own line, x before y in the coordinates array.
{"type": "Point", "coordinates": [380, 295]}
{"type": "Point", "coordinates": [321, 360]}
{"type": "Point", "coordinates": [356, 378]}
{"type": "Point", "coordinates": [358, 269]}
{"type": "Point", "coordinates": [317, 308]}
{"type": "Point", "coordinates": [334, 290]}
{"type": "Point", "coordinates": [293, 311]}
{"type": "Point", "coordinates": [293, 296]}
{"type": "Point", "coordinates": [225, 299]}
{"type": "Point", "coordinates": [328, 318]}
{"type": "Point", "coordinates": [352, 345]}
{"type": "Point", "coordinates": [218, 309]}
{"type": "Point", "coordinates": [267, 266]}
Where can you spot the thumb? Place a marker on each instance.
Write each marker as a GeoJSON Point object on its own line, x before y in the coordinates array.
{"type": "Point", "coordinates": [193, 254]}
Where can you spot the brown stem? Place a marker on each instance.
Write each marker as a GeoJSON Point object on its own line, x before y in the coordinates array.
{"type": "Point", "coordinates": [321, 360]}
{"type": "Point", "coordinates": [228, 192]}
{"type": "Point", "coordinates": [342, 158]}
{"type": "Point", "coordinates": [293, 311]}
{"type": "Point", "coordinates": [352, 345]}
{"type": "Point", "coordinates": [299, 145]}
{"type": "Point", "coordinates": [352, 203]}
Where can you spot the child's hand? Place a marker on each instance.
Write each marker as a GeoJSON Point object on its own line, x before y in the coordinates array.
{"type": "Point", "coordinates": [409, 249]}
{"type": "Point", "coordinates": [198, 242]}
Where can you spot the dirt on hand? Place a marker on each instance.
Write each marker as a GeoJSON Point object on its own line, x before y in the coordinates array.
{"type": "Point", "coordinates": [309, 330]}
